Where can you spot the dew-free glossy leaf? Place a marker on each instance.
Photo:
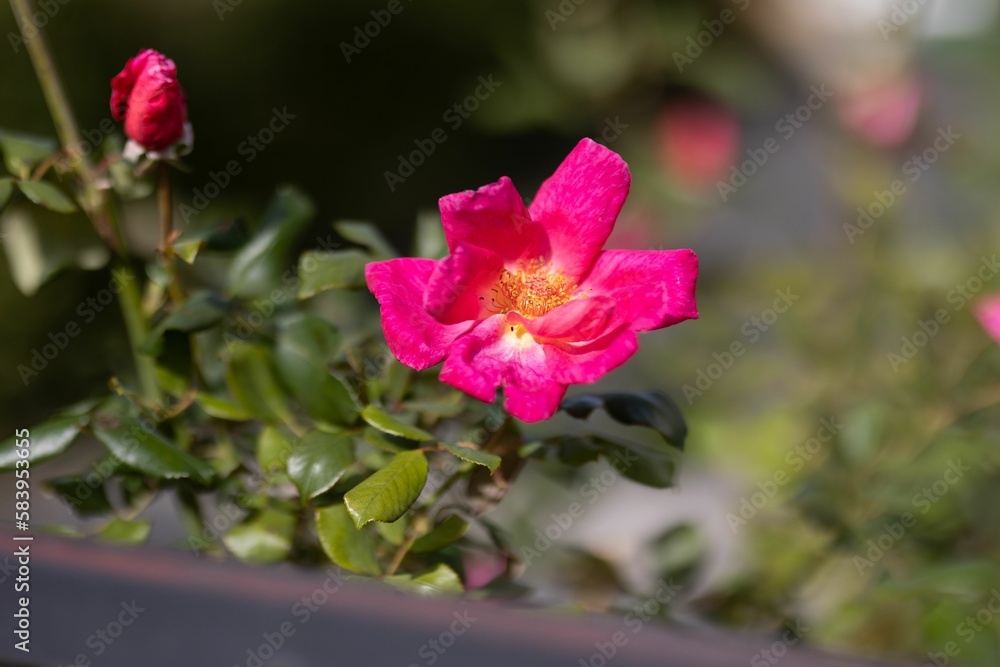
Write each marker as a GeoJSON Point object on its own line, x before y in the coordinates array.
{"type": "Point", "coordinates": [44, 441]}
{"type": "Point", "coordinates": [390, 491]}
{"type": "Point", "coordinates": [146, 450]}
{"type": "Point", "coordinates": [490, 461]}
{"type": "Point", "coordinates": [386, 423]}
{"type": "Point", "coordinates": [318, 460]}
{"type": "Point", "coordinates": [344, 544]}
{"type": "Point", "coordinates": [266, 538]}
{"type": "Point", "coordinates": [47, 195]}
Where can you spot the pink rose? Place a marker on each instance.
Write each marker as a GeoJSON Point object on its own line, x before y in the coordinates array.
{"type": "Point", "coordinates": [528, 300]}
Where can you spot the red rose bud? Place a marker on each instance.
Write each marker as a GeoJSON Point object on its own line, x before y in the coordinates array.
{"type": "Point", "coordinates": [147, 96]}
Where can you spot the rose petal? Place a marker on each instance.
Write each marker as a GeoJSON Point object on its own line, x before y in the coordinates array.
{"type": "Point", "coordinates": [493, 217]}
{"type": "Point", "coordinates": [149, 98]}
{"type": "Point", "coordinates": [124, 81]}
{"type": "Point", "coordinates": [579, 203]}
{"type": "Point", "coordinates": [533, 403]}
{"type": "Point", "coordinates": [987, 311]}
{"type": "Point", "coordinates": [651, 288]}
{"type": "Point", "coordinates": [458, 289]}
{"type": "Point", "coordinates": [413, 335]}
{"type": "Point", "coordinates": [534, 375]}
{"type": "Point", "coordinates": [579, 320]}
{"type": "Point", "coordinates": [490, 356]}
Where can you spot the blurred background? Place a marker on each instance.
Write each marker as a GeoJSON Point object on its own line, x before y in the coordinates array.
{"type": "Point", "coordinates": [834, 164]}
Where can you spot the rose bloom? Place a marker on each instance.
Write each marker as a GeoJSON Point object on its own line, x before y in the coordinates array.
{"type": "Point", "coordinates": [987, 311]}
{"type": "Point", "coordinates": [698, 141]}
{"type": "Point", "coordinates": [148, 97]}
{"type": "Point", "coordinates": [528, 300]}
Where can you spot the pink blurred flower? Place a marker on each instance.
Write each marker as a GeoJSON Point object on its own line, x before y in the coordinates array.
{"type": "Point", "coordinates": [527, 299]}
{"type": "Point", "coordinates": [148, 97]}
{"type": "Point", "coordinates": [883, 114]}
{"type": "Point", "coordinates": [987, 311]}
{"type": "Point", "coordinates": [698, 141]}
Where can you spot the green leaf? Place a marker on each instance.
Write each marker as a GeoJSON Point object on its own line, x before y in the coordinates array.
{"type": "Point", "coordinates": [367, 235]}
{"type": "Point", "coordinates": [199, 312]}
{"type": "Point", "coordinates": [274, 447]}
{"type": "Point", "coordinates": [394, 533]}
{"type": "Point", "coordinates": [120, 531]}
{"type": "Point", "coordinates": [39, 244]}
{"type": "Point", "coordinates": [257, 268]}
{"type": "Point", "coordinates": [251, 379]}
{"type": "Point", "coordinates": [81, 494]}
{"type": "Point", "coordinates": [443, 534]}
{"type": "Point", "coordinates": [389, 492]}
{"type": "Point", "coordinates": [45, 440]}
{"type": "Point", "coordinates": [344, 544]}
{"type": "Point", "coordinates": [321, 270]}
{"type": "Point", "coordinates": [318, 461]}
{"type": "Point", "coordinates": [47, 195]}
{"type": "Point", "coordinates": [146, 450]}
{"type": "Point", "coordinates": [578, 451]}
{"type": "Point", "coordinates": [442, 579]}
{"type": "Point", "coordinates": [266, 538]}
{"type": "Point", "coordinates": [222, 454]}
{"type": "Point", "coordinates": [21, 152]}
{"type": "Point", "coordinates": [648, 465]}
{"type": "Point", "coordinates": [653, 409]}
{"type": "Point", "coordinates": [6, 191]}
{"type": "Point", "coordinates": [188, 251]}
{"type": "Point", "coordinates": [305, 345]}
{"type": "Point", "coordinates": [222, 408]}
{"type": "Point", "coordinates": [491, 461]}
{"type": "Point", "coordinates": [386, 423]}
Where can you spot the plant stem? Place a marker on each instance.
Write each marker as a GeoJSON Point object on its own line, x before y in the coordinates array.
{"type": "Point", "coordinates": [93, 199]}
{"type": "Point", "coordinates": [419, 525]}
{"type": "Point", "coordinates": [130, 301]}
{"type": "Point", "coordinates": [166, 234]}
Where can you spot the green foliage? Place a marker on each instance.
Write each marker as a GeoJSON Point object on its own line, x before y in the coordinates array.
{"type": "Point", "coordinates": [345, 545]}
{"type": "Point", "coordinates": [312, 442]}
{"type": "Point", "coordinates": [318, 460]}
{"type": "Point", "coordinates": [387, 494]}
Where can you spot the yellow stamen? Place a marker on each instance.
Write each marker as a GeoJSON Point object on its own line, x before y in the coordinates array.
{"type": "Point", "coordinates": [532, 290]}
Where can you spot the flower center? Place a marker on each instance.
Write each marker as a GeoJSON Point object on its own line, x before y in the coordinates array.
{"type": "Point", "coordinates": [533, 289]}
